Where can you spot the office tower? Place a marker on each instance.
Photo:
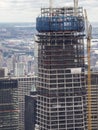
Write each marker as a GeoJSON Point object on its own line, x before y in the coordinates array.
{"type": "Point", "coordinates": [1, 56]}
{"type": "Point", "coordinates": [94, 94]}
{"type": "Point", "coordinates": [30, 111]}
{"type": "Point", "coordinates": [9, 107]}
{"type": "Point", "coordinates": [35, 57]}
{"type": "Point", "coordinates": [2, 72]}
{"type": "Point", "coordinates": [61, 101]}
{"type": "Point", "coordinates": [19, 69]}
{"type": "Point", "coordinates": [25, 84]}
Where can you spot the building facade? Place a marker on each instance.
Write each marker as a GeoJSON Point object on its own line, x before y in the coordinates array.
{"type": "Point", "coordinates": [94, 96]}
{"type": "Point", "coordinates": [9, 106]}
{"type": "Point", "coordinates": [61, 87]}
{"type": "Point", "coordinates": [30, 111]}
{"type": "Point", "coordinates": [25, 85]}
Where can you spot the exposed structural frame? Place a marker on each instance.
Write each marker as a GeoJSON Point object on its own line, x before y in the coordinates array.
{"type": "Point", "coordinates": [61, 87]}
{"type": "Point", "coordinates": [61, 19]}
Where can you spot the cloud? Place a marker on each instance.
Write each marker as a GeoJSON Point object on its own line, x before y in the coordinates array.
{"type": "Point", "coordinates": [28, 10]}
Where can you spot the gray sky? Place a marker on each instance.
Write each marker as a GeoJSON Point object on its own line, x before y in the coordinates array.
{"type": "Point", "coordinates": [28, 10]}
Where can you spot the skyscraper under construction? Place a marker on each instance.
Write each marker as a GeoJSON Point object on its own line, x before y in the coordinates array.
{"type": "Point", "coordinates": [61, 101]}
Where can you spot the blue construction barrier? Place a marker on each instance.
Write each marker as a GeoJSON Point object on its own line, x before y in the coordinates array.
{"type": "Point", "coordinates": [57, 23]}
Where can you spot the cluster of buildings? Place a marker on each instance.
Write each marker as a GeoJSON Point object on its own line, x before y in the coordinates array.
{"type": "Point", "coordinates": [17, 64]}
{"type": "Point", "coordinates": [18, 104]}
{"type": "Point", "coordinates": [17, 50]}
{"type": "Point", "coordinates": [14, 97]}
{"type": "Point", "coordinates": [57, 98]}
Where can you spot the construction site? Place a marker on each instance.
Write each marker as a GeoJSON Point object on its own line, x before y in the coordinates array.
{"type": "Point", "coordinates": [62, 92]}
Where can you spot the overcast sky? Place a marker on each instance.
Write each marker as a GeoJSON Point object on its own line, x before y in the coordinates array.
{"type": "Point", "coordinates": [28, 10]}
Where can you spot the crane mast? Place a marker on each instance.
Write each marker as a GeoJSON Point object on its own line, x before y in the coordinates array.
{"type": "Point", "coordinates": [89, 79]}
{"type": "Point", "coordinates": [50, 6]}
{"type": "Point", "coordinates": [89, 36]}
{"type": "Point", "coordinates": [75, 7]}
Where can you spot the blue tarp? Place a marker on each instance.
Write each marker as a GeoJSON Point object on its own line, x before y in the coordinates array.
{"type": "Point", "coordinates": [57, 23]}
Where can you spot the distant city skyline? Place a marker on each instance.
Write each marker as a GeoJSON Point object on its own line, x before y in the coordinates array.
{"type": "Point", "coordinates": [28, 10]}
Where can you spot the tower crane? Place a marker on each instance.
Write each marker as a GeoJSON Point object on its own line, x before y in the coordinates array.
{"type": "Point", "coordinates": [89, 36]}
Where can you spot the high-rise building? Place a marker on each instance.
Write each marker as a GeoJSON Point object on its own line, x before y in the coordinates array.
{"type": "Point", "coordinates": [2, 72]}
{"type": "Point", "coordinates": [61, 87]}
{"type": "Point", "coordinates": [30, 111]}
{"type": "Point", "coordinates": [19, 69]}
{"type": "Point", "coordinates": [9, 106]}
{"type": "Point", "coordinates": [25, 85]}
{"type": "Point", "coordinates": [12, 101]}
{"type": "Point", "coordinates": [94, 100]}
